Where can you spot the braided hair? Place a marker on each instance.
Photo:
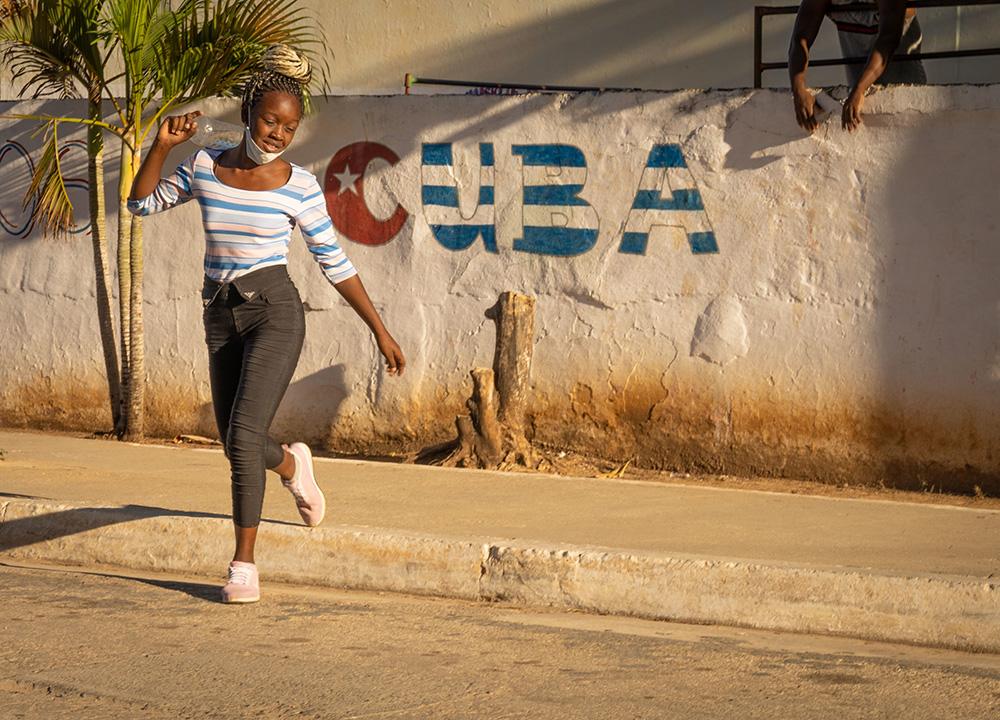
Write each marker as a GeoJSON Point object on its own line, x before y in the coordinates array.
{"type": "Point", "coordinates": [282, 69]}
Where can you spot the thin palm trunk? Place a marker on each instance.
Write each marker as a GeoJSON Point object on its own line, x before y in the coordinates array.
{"type": "Point", "coordinates": [124, 285]}
{"type": "Point", "coordinates": [57, 43]}
{"type": "Point", "coordinates": [135, 428]}
{"type": "Point", "coordinates": [99, 239]}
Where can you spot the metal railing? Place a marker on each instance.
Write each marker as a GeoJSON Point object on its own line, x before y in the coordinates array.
{"type": "Point", "coordinates": [409, 80]}
{"type": "Point", "coordinates": [763, 11]}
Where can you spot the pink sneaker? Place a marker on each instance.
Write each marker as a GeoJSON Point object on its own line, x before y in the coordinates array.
{"type": "Point", "coordinates": [308, 497]}
{"type": "Point", "coordinates": [243, 584]}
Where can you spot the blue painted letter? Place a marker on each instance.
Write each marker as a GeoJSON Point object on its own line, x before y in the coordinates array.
{"type": "Point", "coordinates": [557, 221]}
{"type": "Point", "coordinates": [667, 196]}
{"type": "Point", "coordinates": [439, 193]}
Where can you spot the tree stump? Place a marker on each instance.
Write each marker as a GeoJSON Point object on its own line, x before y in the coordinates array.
{"type": "Point", "coordinates": [493, 434]}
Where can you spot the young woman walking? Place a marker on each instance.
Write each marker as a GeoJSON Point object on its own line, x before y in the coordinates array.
{"type": "Point", "coordinates": [254, 321]}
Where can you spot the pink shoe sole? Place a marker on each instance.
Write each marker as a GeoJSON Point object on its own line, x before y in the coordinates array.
{"type": "Point", "coordinates": [308, 496]}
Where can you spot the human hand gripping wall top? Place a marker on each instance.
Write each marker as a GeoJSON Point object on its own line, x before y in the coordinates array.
{"type": "Point", "coordinates": [891, 17]}
{"type": "Point", "coordinates": [892, 14]}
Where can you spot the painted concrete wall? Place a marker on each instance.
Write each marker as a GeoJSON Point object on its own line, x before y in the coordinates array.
{"type": "Point", "coordinates": [654, 44]}
{"type": "Point", "coordinates": [716, 290]}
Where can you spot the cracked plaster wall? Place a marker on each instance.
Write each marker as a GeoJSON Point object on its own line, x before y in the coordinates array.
{"type": "Point", "coordinates": [846, 329]}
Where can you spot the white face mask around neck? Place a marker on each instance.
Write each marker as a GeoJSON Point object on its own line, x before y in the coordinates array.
{"type": "Point", "coordinates": [255, 153]}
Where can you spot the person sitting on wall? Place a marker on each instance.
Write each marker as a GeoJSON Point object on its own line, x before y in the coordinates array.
{"type": "Point", "coordinates": [876, 34]}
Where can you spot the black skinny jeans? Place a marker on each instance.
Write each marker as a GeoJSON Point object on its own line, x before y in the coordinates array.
{"type": "Point", "coordinates": [254, 328]}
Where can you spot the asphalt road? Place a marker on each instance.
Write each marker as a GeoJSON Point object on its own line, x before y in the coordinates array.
{"type": "Point", "coordinates": [95, 644]}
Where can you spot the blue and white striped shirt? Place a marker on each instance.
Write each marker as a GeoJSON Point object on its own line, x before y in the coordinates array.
{"type": "Point", "coordinates": [247, 230]}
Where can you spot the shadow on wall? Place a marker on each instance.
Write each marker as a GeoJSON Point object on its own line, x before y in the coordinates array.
{"type": "Point", "coordinates": [19, 154]}
{"type": "Point", "coordinates": [932, 421]}
{"type": "Point", "coordinates": [608, 43]}
{"type": "Point", "coordinates": [576, 47]}
{"type": "Point", "coordinates": [939, 312]}
{"type": "Point", "coordinates": [579, 46]}
{"type": "Point", "coordinates": [761, 131]}
{"type": "Point", "coordinates": [311, 405]}
{"type": "Point", "coordinates": [308, 410]}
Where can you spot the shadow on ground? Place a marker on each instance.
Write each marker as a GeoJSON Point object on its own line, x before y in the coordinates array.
{"type": "Point", "coordinates": [200, 591]}
{"type": "Point", "coordinates": [23, 531]}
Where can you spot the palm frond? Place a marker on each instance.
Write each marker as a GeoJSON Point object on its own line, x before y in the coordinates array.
{"type": "Point", "coordinates": [80, 23]}
{"type": "Point", "coordinates": [36, 52]}
{"type": "Point", "coordinates": [211, 48]}
{"type": "Point", "coordinates": [53, 209]}
{"type": "Point", "coordinates": [10, 7]}
{"type": "Point", "coordinates": [127, 24]}
{"type": "Point", "coordinates": [48, 119]}
{"type": "Point", "coordinates": [51, 46]}
{"type": "Point", "coordinates": [262, 23]}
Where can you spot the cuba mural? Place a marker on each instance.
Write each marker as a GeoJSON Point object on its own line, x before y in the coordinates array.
{"type": "Point", "coordinates": [556, 220]}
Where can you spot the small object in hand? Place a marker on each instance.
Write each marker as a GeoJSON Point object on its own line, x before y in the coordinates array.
{"type": "Point", "coordinates": [827, 106]}
{"type": "Point", "coordinates": [216, 134]}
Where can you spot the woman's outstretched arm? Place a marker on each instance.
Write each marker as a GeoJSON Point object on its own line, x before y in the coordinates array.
{"type": "Point", "coordinates": [357, 297]}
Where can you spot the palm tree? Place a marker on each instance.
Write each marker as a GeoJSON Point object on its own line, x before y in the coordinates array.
{"type": "Point", "coordinates": [52, 45]}
{"type": "Point", "coordinates": [168, 57]}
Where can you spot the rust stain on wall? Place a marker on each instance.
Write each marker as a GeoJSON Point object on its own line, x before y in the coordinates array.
{"type": "Point", "coordinates": [52, 402]}
{"type": "Point", "coordinates": [656, 424]}
{"type": "Point", "coordinates": [758, 431]}
{"type": "Point", "coordinates": [57, 403]}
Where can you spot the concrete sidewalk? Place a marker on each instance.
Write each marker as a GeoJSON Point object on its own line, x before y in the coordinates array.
{"type": "Point", "coordinates": [867, 568]}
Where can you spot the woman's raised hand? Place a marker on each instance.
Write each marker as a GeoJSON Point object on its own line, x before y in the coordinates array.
{"type": "Point", "coordinates": [177, 128]}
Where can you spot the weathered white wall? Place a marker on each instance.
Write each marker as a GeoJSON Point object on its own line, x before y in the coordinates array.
{"type": "Point", "coordinates": [652, 44]}
{"type": "Point", "coordinates": [846, 327]}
